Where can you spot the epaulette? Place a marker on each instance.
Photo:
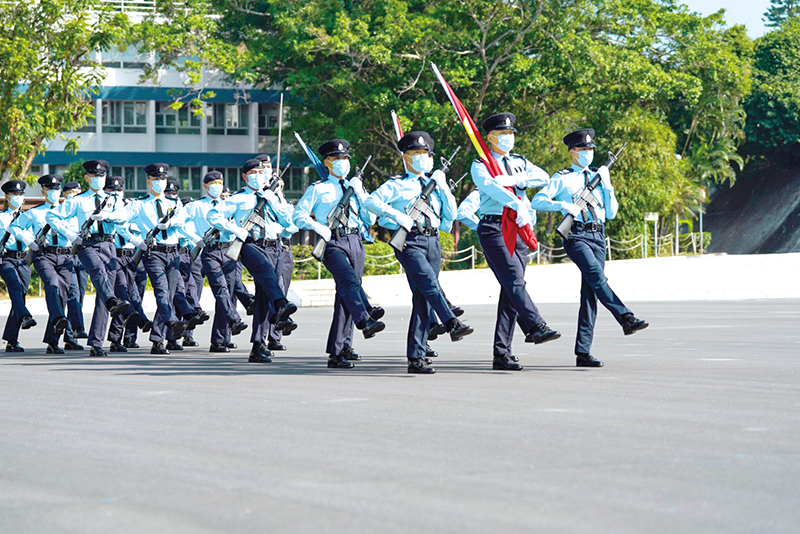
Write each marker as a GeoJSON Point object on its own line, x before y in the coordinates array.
{"type": "Point", "coordinates": [516, 155]}
{"type": "Point", "coordinates": [593, 169]}
{"type": "Point", "coordinates": [477, 160]}
{"type": "Point", "coordinates": [397, 177]}
{"type": "Point", "coordinates": [317, 182]}
{"type": "Point", "coordinates": [143, 197]}
{"type": "Point", "coordinates": [240, 191]}
{"type": "Point", "coordinates": [568, 170]}
{"type": "Point", "coordinates": [87, 193]}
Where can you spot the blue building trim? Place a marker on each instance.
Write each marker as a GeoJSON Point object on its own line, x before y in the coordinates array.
{"type": "Point", "coordinates": [168, 94]}
{"type": "Point", "coordinates": [139, 159]}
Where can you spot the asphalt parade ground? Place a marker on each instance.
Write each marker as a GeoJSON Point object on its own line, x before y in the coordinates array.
{"type": "Point", "coordinates": [693, 425]}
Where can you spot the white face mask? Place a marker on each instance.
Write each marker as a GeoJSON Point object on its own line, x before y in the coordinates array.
{"type": "Point", "coordinates": [214, 190]}
{"type": "Point", "coordinates": [16, 200]}
{"type": "Point", "coordinates": [158, 186]}
{"type": "Point", "coordinates": [341, 168]}
{"type": "Point", "coordinates": [53, 195]}
{"type": "Point", "coordinates": [505, 142]}
{"type": "Point", "coordinates": [422, 163]}
{"type": "Point", "coordinates": [98, 182]}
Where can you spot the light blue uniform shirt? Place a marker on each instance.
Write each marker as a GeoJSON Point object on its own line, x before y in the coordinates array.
{"type": "Point", "coordinates": [79, 208]}
{"type": "Point", "coordinates": [14, 241]}
{"type": "Point", "coordinates": [468, 215]}
{"type": "Point", "coordinates": [278, 214]}
{"type": "Point", "coordinates": [197, 218]}
{"type": "Point", "coordinates": [494, 197]}
{"type": "Point", "coordinates": [321, 199]}
{"type": "Point", "coordinates": [395, 194]}
{"type": "Point", "coordinates": [143, 213]}
{"type": "Point", "coordinates": [566, 186]}
{"type": "Point", "coordinates": [29, 224]}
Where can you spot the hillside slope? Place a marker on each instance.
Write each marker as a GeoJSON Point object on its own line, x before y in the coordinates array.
{"type": "Point", "coordinates": [759, 214]}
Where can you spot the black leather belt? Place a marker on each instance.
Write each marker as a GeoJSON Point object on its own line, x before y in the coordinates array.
{"type": "Point", "coordinates": [165, 248]}
{"type": "Point", "coordinates": [58, 250]}
{"type": "Point", "coordinates": [124, 253]}
{"type": "Point", "coordinates": [262, 242]}
{"type": "Point", "coordinates": [97, 238]}
{"type": "Point", "coordinates": [589, 227]}
{"type": "Point", "coordinates": [493, 218]}
{"type": "Point", "coordinates": [219, 245]}
{"type": "Point", "coordinates": [287, 241]}
{"type": "Point", "coordinates": [341, 232]}
{"type": "Point", "coordinates": [14, 254]}
{"type": "Point", "coordinates": [425, 231]}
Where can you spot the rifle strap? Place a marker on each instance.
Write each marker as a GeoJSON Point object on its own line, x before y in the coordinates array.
{"type": "Point", "coordinates": [160, 213]}
{"type": "Point", "coordinates": [591, 208]}
{"type": "Point", "coordinates": [428, 222]}
{"type": "Point", "coordinates": [344, 190]}
{"type": "Point", "coordinates": [97, 202]}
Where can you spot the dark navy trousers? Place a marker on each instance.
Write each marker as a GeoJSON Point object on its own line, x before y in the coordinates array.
{"type": "Point", "coordinates": [421, 259]}
{"type": "Point", "coordinates": [56, 272]}
{"type": "Point", "coordinates": [100, 261]}
{"type": "Point", "coordinates": [190, 271]}
{"type": "Point", "coordinates": [140, 281]}
{"type": "Point", "coordinates": [284, 270]}
{"type": "Point", "coordinates": [344, 258]}
{"type": "Point", "coordinates": [515, 304]}
{"type": "Point", "coordinates": [126, 286]}
{"type": "Point", "coordinates": [77, 290]}
{"type": "Point", "coordinates": [17, 276]}
{"type": "Point", "coordinates": [221, 271]}
{"type": "Point", "coordinates": [588, 251]}
{"type": "Point", "coordinates": [163, 269]}
{"type": "Point", "coordinates": [240, 292]}
{"type": "Point", "coordinates": [258, 263]}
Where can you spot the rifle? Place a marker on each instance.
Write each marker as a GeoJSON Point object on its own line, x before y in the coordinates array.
{"type": "Point", "coordinates": [338, 216]}
{"type": "Point", "coordinates": [6, 235]}
{"type": "Point", "coordinates": [87, 224]}
{"type": "Point", "coordinates": [254, 218]}
{"type": "Point", "coordinates": [586, 198]}
{"type": "Point", "coordinates": [150, 238]}
{"type": "Point", "coordinates": [419, 206]}
{"type": "Point", "coordinates": [40, 241]}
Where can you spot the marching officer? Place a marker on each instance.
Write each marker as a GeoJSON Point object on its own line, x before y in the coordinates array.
{"type": "Point", "coordinates": [271, 304]}
{"type": "Point", "coordinates": [344, 251]}
{"type": "Point", "coordinates": [80, 278]}
{"type": "Point", "coordinates": [53, 262]}
{"type": "Point", "coordinates": [422, 256]}
{"type": "Point", "coordinates": [13, 269]}
{"type": "Point", "coordinates": [219, 268]}
{"type": "Point", "coordinates": [161, 260]}
{"type": "Point", "coordinates": [97, 253]}
{"type": "Point", "coordinates": [515, 303]}
{"type": "Point", "coordinates": [125, 283]}
{"type": "Point", "coordinates": [586, 243]}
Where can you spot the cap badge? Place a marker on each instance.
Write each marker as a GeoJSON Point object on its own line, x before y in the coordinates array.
{"type": "Point", "coordinates": [508, 121]}
{"type": "Point", "coordinates": [421, 140]}
{"type": "Point", "coordinates": [341, 146]}
{"type": "Point", "coordinates": [588, 138]}
{"type": "Point", "coordinates": [161, 169]}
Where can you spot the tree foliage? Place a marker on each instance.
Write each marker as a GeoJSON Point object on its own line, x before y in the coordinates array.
{"type": "Point", "coordinates": [780, 11]}
{"type": "Point", "coordinates": [48, 72]}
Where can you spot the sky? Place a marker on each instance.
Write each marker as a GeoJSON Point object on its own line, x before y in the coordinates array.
{"type": "Point", "coordinates": [747, 12]}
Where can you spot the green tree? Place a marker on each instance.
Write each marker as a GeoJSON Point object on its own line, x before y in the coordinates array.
{"type": "Point", "coordinates": [773, 109]}
{"type": "Point", "coordinates": [48, 72]}
{"type": "Point", "coordinates": [780, 11]}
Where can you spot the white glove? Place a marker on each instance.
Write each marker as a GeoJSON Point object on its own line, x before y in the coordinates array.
{"type": "Point", "coordinates": [76, 240]}
{"type": "Point", "coordinates": [240, 233]}
{"type": "Point", "coordinates": [358, 187]}
{"type": "Point", "coordinates": [164, 225]}
{"type": "Point", "coordinates": [506, 180]}
{"type": "Point", "coordinates": [605, 178]}
{"type": "Point", "coordinates": [270, 196]}
{"type": "Point", "coordinates": [571, 208]}
{"type": "Point", "coordinates": [523, 215]}
{"type": "Point", "coordinates": [441, 180]}
{"type": "Point", "coordinates": [98, 216]}
{"type": "Point", "coordinates": [33, 246]}
{"type": "Point", "coordinates": [137, 242]}
{"type": "Point", "coordinates": [198, 242]}
{"type": "Point", "coordinates": [404, 220]}
{"type": "Point", "coordinates": [141, 244]}
{"type": "Point", "coordinates": [322, 230]}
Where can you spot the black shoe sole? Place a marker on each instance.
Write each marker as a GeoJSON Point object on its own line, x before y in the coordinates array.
{"type": "Point", "coordinates": [502, 367]}
{"type": "Point", "coordinates": [259, 360]}
{"type": "Point", "coordinates": [551, 337]}
{"type": "Point", "coordinates": [332, 364]}
{"type": "Point", "coordinates": [238, 329]}
{"type": "Point", "coordinates": [60, 325]}
{"type": "Point", "coordinates": [287, 327]}
{"type": "Point", "coordinates": [178, 329]}
{"type": "Point", "coordinates": [285, 312]}
{"type": "Point", "coordinates": [372, 331]}
{"type": "Point", "coordinates": [427, 371]}
{"type": "Point", "coordinates": [460, 335]}
{"type": "Point", "coordinates": [377, 313]}
{"type": "Point", "coordinates": [630, 332]}
{"type": "Point", "coordinates": [226, 349]}
{"type": "Point", "coordinates": [119, 308]}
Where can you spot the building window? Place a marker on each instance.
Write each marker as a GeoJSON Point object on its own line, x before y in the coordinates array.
{"type": "Point", "coordinates": [232, 177]}
{"type": "Point", "coordinates": [267, 119]}
{"type": "Point", "coordinates": [130, 58]}
{"type": "Point", "coordinates": [35, 170]}
{"type": "Point", "coordinates": [295, 179]}
{"type": "Point", "coordinates": [228, 119]}
{"type": "Point", "coordinates": [189, 178]}
{"type": "Point", "coordinates": [124, 117]}
{"type": "Point", "coordinates": [176, 121]}
{"type": "Point", "coordinates": [135, 179]}
{"type": "Point", "coordinates": [91, 122]}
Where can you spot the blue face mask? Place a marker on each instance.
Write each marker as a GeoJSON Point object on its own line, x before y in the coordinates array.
{"type": "Point", "coordinates": [16, 200]}
{"type": "Point", "coordinates": [53, 195]}
{"type": "Point", "coordinates": [98, 182]}
{"type": "Point", "coordinates": [256, 181]}
{"type": "Point", "coordinates": [158, 186]}
{"type": "Point", "coordinates": [505, 142]}
{"type": "Point", "coordinates": [341, 168]}
{"type": "Point", "coordinates": [214, 190]}
{"type": "Point", "coordinates": [422, 163]}
{"type": "Point", "coordinates": [585, 157]}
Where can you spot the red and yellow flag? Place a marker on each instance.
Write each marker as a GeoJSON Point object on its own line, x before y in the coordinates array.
{"type": "Point", "coordinates": [510, 227]}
